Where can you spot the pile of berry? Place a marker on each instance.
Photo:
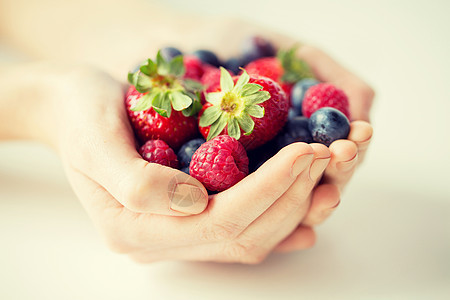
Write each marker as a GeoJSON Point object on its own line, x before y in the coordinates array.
{"type": "Point", "coordinates": [218, 115]}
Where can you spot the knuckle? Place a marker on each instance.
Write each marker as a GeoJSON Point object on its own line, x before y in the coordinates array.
{"type": "Point", "coordinates": [244, 252]}
{"type": "Point", "coordinates": [118, 246]}
{"type": "Point", "coordinates": [366, 92]}
{"type": "Point", "coordinates": [222, 231]}
{"type": "Point", "coordinates": [135, 187]}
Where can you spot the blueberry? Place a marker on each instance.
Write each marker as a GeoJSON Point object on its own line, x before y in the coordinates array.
{"type": "Point", "coordinates": [260, 155]}
{"type": "Point", "coordinates": [328, 124]}
{"type": "Point", "coordinates": [185, 170]}
{"type": "Point", "coordinates": [295, 130]}
{"type": "Point", "coordinates": [168, 53]}
{"type": "Point", "coordinates": [233, 64]}
{"type": "Point", "coordinates": [256, 47]}
{"type": "Point", "coordinates": [208, 57]}
{"type": "Point", "coordinates": [187, 150]}
{"type": "Point", "coordinates": [298, 93]}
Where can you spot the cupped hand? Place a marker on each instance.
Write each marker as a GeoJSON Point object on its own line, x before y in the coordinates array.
{"type": "Point", "coordinates": [153, 212]}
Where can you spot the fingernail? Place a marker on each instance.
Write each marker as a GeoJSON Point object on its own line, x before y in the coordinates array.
{"type": "Point", "coordinates": [300, 164]}
{"type": "Point", "coordinates": [336, 205]}
{"type": "Point", "coordinates": [317, 167]}
{"type": "Point", "coordinates": [188, 199]}
{"type": "Point", "coordinates": [344, 166]}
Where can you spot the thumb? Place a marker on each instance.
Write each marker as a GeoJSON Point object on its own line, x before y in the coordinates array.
{"type": "Point", "coordinates": [138, 185]}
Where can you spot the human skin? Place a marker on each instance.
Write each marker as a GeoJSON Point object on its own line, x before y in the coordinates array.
{"type": "Point", "coordinates": [78, 110]}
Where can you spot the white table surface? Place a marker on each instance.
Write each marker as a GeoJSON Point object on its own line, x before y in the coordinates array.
{"type": "Point", "coordinates": [389, 239]}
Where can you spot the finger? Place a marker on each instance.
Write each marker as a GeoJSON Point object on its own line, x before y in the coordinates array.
{"type": "Point", "coordinates": [289, 210]}
{"type": "Point", "coordinates": [109, 157]}
{"type": "Point", "coordinates": [302, 238]}
{"type": "Point", "coordinates": [251, 197]}
{"type": "Point", "coordinates": [361, 134]}
{"type": "Point", "coordinates": [326, 69]}
{"type": "Point", "coordinates": [325, 200]}
{"type": "Point", "coordinates": [344, 156]}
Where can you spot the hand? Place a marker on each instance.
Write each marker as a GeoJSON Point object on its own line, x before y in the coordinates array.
{"type": "Point", "coordinates": [129, 200]}
{"type": "Point", "coordinates": [346, 155]}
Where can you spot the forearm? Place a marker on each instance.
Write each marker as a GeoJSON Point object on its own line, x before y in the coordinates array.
{"type": "Point", "coordinates": [24, 102]}
{"type": "Point", "coordinates": [112, 35]}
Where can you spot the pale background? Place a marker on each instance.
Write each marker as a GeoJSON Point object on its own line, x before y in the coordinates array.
{"type": "Point", "coordinates": [389, 239]}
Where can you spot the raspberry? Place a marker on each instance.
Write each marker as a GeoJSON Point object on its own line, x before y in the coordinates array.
{"type": "Point", "coordinates": [157, 151]}
{"type": "Point", "coordinates": [325, 95]}
{"type": "Point", "coordinates": [220, 163]}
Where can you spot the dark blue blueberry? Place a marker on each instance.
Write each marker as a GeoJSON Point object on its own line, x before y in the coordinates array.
{"type": "Point", "coordinates": [187, 150]}
{"type": "Point", "coordinates": [256, 47]}
{"type": "Point", "coordinates": [260, 155]}
{"type": "Point", "coordinates": [168, 53]}
{"type": "Point", "coordinates": [328, 124]}
{"type": "Point", "coordinates": [208, 57]}
{"type": "Point", "coordinates": [233, 64]}
{"type": "Point", "coordinates": [295, 130]}
{"type": "Point", "coordinates": [185, 170]}
{"type": "Point", "coordinates": [298, 93]}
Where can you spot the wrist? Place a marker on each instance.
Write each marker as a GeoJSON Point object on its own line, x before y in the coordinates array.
{"type": "Point", "coordinates": [26, 102]}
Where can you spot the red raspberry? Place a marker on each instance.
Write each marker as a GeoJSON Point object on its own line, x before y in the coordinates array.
{"type": "Point", "coordinates": [219, 163]}
{"type": "Point", "coordinates": [194, 67]}
{"type": "Point", "coordinates": [325, 95]}
{"type": "Point", "coordinates": [157, 151]}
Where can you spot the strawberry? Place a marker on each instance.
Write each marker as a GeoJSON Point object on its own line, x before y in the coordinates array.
{"type": "Point", "coordinates": [161, 104]}
{"type": "Point", "coordinates": [250, 109]}
{"type": "Point", "coordinates": [194, 67]}
{"type": "Point", "coordinates": [325, 95]}
{"type": "Point", "coordinates": [286, 69]}
{"type": "Point", "coordinates": [219, 163]}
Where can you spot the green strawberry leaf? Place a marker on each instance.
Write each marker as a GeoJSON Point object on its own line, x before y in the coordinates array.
{"type": "Point", "coordinates": [143, 83]}
{"type": "Point", "coordinates": [217, 127]}
{"type": "Point", "coordinates": [149, 69]}
{"type": "Point", "coordinates": [161, 104]}
{"type": "Point", "coordinates": [193, 85]}
{"type": "Point", "coordinates": [179, 100]}
{"type": "Point", "coordinates": [256, 98]}
{"type": "Point", "coordinates": [226, 82]}
{"type": "Point", "coordinates": [295, 69]}
{"type": "Point", "coordinates": [255, 111]}
{"type": "Point", "coordinates": [144, 103]}
{"type": "Point", "coordinates": [210, 115]}
{"type": "Point", "coordinates": [176, 66]}
{"type": "Point", "coordinates": [233, 129]}
{"type": "Point", "coordinates": [163, 66]}
{"type": "Point", "coordinates": [214, 98]}
{"type": "Point", "coordinates": [247, 124]}
{"type": "Point", "coordinates": [193, 109]}
{"type": "Point", "coordinates": [132, 77]}
{"type": "Point", "coordinates": [242, 81]}
{"type": "Point", "coordinates": [250, 88]}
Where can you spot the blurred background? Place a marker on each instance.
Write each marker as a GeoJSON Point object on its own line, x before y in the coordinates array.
{"type": "Point", "coordinates": [390, 237]}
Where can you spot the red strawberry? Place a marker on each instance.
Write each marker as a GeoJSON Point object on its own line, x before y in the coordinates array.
{"type": "Point", "coordinates": [150, 125]}
{"type": "Point", "coordinates": [194, 67]}
{"type": "Point", "coordinates": [267, 66]}
{"type": "Point", "coordinates": [325, 95]}
{"type": "Point", "coordinates": [161, 103]}
{"type": "Point", "coordinates": [252, 110]}
{"type": "Point", "coordinates": [286, 69]}
{"type": "Point", "coordinates": [211, 78]}
{"type": "Point", "coordinates": [220, 163]}
{"type": "Point", "coordinates": [157, 151]}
